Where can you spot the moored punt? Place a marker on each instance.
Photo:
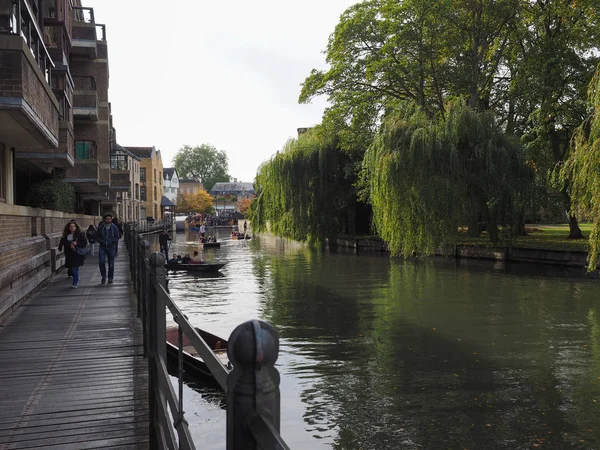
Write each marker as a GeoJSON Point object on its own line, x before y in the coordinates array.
{"type": "Point", "coordinates": [193, 364]}
{"type": "Point", "coordinates": [211, 244]}
{"type": "Point", "coordinates": [194, 267]}
{"type": "Point", "coordinates": [240, 237]}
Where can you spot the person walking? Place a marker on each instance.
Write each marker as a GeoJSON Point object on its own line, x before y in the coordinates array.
{"type": "Point", "coordinates": [116, 221]}
{"type": "Point", "coordinates": [73, 241]}
{"type": "Point", "coordinates": [163, 240]}
{"type": "Point", "coordinates": [108, 236]}
{"type": "Point", "coordinates": [90, 234]}
{"type": "Point", "coordinates": [245, 227]}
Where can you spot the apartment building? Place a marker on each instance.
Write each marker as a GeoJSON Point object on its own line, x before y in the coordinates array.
{"type": "Point", "coordinates": [54, 110]}
{"type": "Point", "coordinates": [124, 199]}
{"type": "Point", "coordinates": [151, 181]}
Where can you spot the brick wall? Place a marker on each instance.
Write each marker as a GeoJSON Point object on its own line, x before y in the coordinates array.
{"type": "Point", "coordinates": [28, 249]}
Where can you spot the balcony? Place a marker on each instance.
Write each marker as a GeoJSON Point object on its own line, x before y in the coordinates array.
{"type": "Point", "coordinates": [85, 99]}
{"type": "Point", "coordinates": [84, 36]}
{"type": "Point", "coordinates": [28, 108]}
{"type": "Point", "coordinates": [120, 182]}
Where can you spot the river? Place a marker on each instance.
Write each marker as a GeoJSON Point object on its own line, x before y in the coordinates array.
{"type": "Point", "coordinates": [383, 354]}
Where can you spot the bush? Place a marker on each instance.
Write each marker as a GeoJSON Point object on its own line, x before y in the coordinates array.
{"type": "Point", "coordinates": [52, 193]}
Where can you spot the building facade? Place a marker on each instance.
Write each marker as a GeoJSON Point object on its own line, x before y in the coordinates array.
{"type": "Point", "coordinates": [171, 184]}
{"type": "Point", "coordinates": [124, 201]}
{"type": "Point", "coordinates": [187, 186]}
{"type": "Point", "coordinates": [151, 181]}
{"type": "Point", "coordinates": [227, 194]}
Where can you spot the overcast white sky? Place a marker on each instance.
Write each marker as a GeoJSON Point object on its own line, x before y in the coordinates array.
{"type": "Point", "coordinates": [226, 73]}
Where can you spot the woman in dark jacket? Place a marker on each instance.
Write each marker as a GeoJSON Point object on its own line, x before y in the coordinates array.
{"type": "Point", "coordinates": [73, 237]}
{"type": "Point", "coordinates": [90, 234]}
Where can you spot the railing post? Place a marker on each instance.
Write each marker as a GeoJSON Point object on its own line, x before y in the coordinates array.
{"type": "Point", "coordinates": [253, 384]}
{"type": "Point", "coordinates": [156, 340]}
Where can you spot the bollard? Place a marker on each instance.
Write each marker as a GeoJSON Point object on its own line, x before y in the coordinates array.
{"type": "Point", "coordinates": [253, 384]}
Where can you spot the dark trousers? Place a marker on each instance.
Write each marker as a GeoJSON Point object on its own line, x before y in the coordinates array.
{"type": "Point", "coordinates": [165, 250]}
{"type": "Point", "coordinates": [103, 253]}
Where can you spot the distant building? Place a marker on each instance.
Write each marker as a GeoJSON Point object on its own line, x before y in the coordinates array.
{"type": "Point", "coordinates": [151, 181]}
{"type": "Point", "coordinates": [171, 183]}
{"type": "Point", "coordinates": [227, 194]}
{"type": "Point", "coordinates": [187, 186]}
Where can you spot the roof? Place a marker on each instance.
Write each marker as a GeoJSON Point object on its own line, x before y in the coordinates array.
{"type": "Point", "coordinates": [187, 180]}
{"type": "Point", "coordinates": [233, 187]}
{"type": "Point", "coordinates": [168, 173]}
{"type": "Point", "coordinates": [144, 152]}
{"type": "Point", "coordinates": [164, 201]}
{"type": "Point", "coordinates": [119, 148]}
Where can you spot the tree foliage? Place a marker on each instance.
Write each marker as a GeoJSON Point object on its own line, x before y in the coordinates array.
{"type": "Point", "coordinates": [204, 163]}
{"type": "Point", "coordinates": [52, 193]}
{"type": "Point", "coordinates": [427, 177]}
{"type": "Point", "coordinates": [244, 205]}
{"type": "Point", "coordinates": [303, 192]}
{"type": "Point", "coordinates": [199, 202]}
{"type": "Point", "coordinates": [581, 171]}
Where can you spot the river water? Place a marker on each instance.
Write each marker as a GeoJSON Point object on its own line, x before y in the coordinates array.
{"type": "Point", "coordinates": [382, 354]}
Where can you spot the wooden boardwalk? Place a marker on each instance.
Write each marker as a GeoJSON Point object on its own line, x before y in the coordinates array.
{"type": "Point", "coordinates": [72, 374]}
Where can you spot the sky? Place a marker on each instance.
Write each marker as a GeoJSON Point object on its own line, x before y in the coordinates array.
{"type": "Point", "coordinates": [225, 73]}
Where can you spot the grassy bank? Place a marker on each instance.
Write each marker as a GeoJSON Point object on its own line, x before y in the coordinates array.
{"type": "Point", "coordinates": [546, 237]}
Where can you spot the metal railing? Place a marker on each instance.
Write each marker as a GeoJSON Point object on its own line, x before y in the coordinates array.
{"type": "Point", "coordinates": [252, 385]}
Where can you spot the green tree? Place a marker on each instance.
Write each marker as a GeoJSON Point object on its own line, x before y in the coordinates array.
{"type": "Point", "coordinates": [204, 163]}
{"type": "Point", "coordinates": [303, 191]}
{"type": "Point", "coordinates": [581, 171]}
{"type": "Point", "coordinates": [427, 177]}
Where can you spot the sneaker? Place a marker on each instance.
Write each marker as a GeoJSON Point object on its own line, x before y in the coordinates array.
{"type": "Point", "coordinates": [110, 281]}
{"type": "Point", "coordinates": [74, 286]}
{"type": "Point", "coordinates": [103, 280]}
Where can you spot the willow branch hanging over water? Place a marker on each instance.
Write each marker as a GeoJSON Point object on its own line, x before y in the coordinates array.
{"type": "Point", "coordinates": [302, 191]}
{"type": "Point", "coordinates": [428, 177]}
{"type": "Point", "coordinates": [581, 171]}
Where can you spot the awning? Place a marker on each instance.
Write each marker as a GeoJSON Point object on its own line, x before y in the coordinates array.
{"type": "Point", "coordinates": [166, 202]}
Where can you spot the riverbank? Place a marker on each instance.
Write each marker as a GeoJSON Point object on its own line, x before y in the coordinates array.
{"type": "Point", "coordinates": [545, 244]}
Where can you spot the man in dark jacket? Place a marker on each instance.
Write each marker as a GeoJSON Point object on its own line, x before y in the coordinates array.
{"type": "Point", "coordinates": [163, 240]}
{"type": "Point", "coordinates": [107, 236]}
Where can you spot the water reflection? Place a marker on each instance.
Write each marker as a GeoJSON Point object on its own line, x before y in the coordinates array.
{"type": "Point", "coordinates": [380, 354]}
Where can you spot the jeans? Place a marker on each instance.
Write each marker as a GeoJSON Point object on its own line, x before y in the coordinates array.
{"type": "Point", "coordinates": [165, 249]}
{"type": "Point", "coordinates": [103, 252]}
{"type": "Point", "coordinates": [75, 271]}
{"type": "Point", "coordinates": [92, 244]}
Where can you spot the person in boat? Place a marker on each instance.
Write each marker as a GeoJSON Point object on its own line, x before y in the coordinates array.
{"type": "Point", "coordinates": [186, 259]}
{"type": "Point", "coordinates": [163, 240]}
{"type": "Point", "coordinates": [196, 259]}
{"type": "Point", "coordinates": [202, 240]}
{"type": "Point", "coordinates": [179, 258]}
{"type": "Point", "coordinates": [173, 261]}
{"type": "Point", "coordinates": [72, 238]}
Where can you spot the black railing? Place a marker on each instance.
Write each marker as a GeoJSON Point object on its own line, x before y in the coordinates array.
{"type": "Point", "coordinates": [252, 385]}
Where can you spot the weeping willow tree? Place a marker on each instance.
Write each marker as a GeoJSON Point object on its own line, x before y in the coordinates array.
{"type": "Point", "coordinates": [427, 177]}
{"type": "Point", "coordinates": [304, 192]}
{"type": "Point", "coordinates": [581, 172]}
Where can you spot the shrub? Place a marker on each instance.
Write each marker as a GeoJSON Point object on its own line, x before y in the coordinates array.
{"type": "Point", "coordinates": [52, 193]}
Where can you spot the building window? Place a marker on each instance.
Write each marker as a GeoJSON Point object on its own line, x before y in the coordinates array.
{"type": "Point", "coordinates": [143, 174]}
{"type": "Point", "coordinates": [85, 150]}
{"type": "Point", "coordinates": [155, 175]}
{"type": "Point", "coordinates": [118, 162]}
{"type": "Point", "coordinates": [155, 212]}
{"type": "Point", "coordinates": [137, 191]}
{"type": "Point", "coordinates": [155, 193]}
{"type": "Point", "coordinates": [143, 193]}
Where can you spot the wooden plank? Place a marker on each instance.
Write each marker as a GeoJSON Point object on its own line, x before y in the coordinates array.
{"type": "Point", "coordinates": [72, 374]}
